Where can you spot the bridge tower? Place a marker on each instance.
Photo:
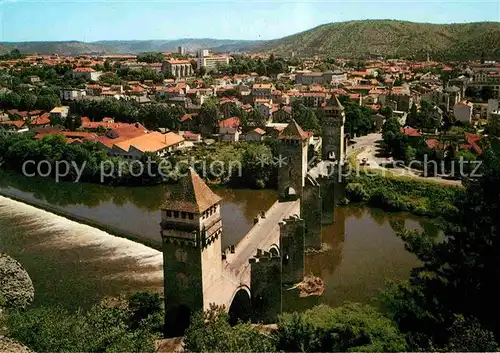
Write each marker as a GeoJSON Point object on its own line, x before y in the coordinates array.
{"type": "Point", "coordinates": [292, 170]}
{"type": "Point", "coordinates": [333, 138]}
{"type": "Point", "coordinates": [191, 229]}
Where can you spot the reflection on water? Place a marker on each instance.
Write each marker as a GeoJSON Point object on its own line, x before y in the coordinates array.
{"type": "Point", "coordinates": [74, 265]}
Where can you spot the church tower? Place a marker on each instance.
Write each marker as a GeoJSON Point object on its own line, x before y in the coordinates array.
{"type": "Point", "coordinates": [292, 167]}
{"type": "Point", "coordinates": [333, 138]}
{"type": "Point", "coordinates": [191, 230]}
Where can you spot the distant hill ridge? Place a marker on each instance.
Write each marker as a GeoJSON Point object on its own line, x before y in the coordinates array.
{"type": "Point", "coordinates": [391, 38]}
{"type": "Point", "coordinates": [126, 46]}
{"type": "Point", "coordinates": [352, 39]}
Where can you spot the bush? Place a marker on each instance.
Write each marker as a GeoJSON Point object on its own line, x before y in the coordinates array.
{"type": "Point", "coordinates": [351, 327]}
{"type": "Point", "coordinates": [16, 288]}
{"type": "Point", "coordinates": [355, 192]}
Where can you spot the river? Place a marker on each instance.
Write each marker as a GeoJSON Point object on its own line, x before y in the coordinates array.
{"type": "Point", "coordinates": [75, 265]}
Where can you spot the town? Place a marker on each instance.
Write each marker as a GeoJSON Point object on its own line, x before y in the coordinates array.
{"type": "Point", "coordinates": [159, 103]}
{"type": "Point", "coordinates": [337, 189]}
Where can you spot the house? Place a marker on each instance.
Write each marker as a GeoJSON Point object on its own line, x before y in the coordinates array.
{"type": "Point", "coordinates": [191, 136]}
{"type": "Point", "coordinates": [378, 120]}
{"type": "Point", "coordinates": [154, 142]}
{"type": "Point", "coordinates": [262, 91]}
{"type": "Point", "coordinates": [40, 121]}
{"type": "Point", "coordinates": [59, 113]}
{"type": "Point", "coordinates": [229, 129]}
{"type": "Point", "coordinates": [283, 114]}
{"type": "Point", "coordinates": [255, 135]}
{"type": "Point", "coordinates": [33, 79]}
{"type": "Point", "coordinates": [463, 111]}
{"type": "Point", "coordinates": [87, 73]}
{"type": "Point", "coordinates": [12, 127]}
{"type": "Point", "coordinates": [265, 109]}
{"type": "Point", "coordinates": [69, 94]}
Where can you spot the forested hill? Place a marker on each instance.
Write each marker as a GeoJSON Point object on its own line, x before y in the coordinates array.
{"type": "Point", "coordinates": [127, 46]}
{"type": "Point", "coordinates": [389, 38]}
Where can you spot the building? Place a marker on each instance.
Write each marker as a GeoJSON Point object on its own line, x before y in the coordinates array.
{"type": "Point", "coordinates": [327, 77]}
{"type": "Point", "coordinates": [181, 50]}
{"type": "Point", "coordinates": [59, 113]}
{"type": "Point", "coordinates": [256, 135]}
{"type": "Point", "coordinates": [12, 127]}
{"type": "Point", "coordinates": [191, 231]}
{"type": "Point", "coordinates": [494, 123]}
{"type": "Point", "coordinates": [262, 91]}
{"type": "Point", "coordinates": [177, 68]}
{"type": "Point", "coordinates": [154, 142]}
{"type": "Point", "coordinates": [463, 111]}
{"type": "Point", "coordinates": [333, 142]}
{"type": "Point", "coordinates": [69, 94]}
{"type": "Point", "coordinates": [229, 130]}
{"type": "Point", "coordinates": [87, 73]}
{"type": "Point", "coordinates": [210, 62]}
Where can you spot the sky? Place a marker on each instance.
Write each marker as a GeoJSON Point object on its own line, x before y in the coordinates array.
{"type": "Point", "coordinates": [91, 20]}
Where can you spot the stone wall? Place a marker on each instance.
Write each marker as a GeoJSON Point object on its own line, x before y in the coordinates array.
{"type": "Point", "coordinates": [292, 248]}
{"type": "Point", "coordinates": [266, 288]}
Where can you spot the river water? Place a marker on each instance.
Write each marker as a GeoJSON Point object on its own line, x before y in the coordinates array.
{"type": "Point", "coordinates": [75, 265]}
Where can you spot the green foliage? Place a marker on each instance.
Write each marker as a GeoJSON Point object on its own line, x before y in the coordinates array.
{"type": "Point", "coordinates": [355, 192]}
{"type": "Point", "coordinates": [110, 78]}
{"type": "Point", "coordinates": [150, 57]}
{"type": "Point", "coordinates": [305, 117]}
{"type": "Point", "coordinates": [211, 332]}
{"type": "Point", "coordinates": [351, 327]}
{"type": "Point", "coordinates": [209, 117]}
{"type": "Point", "coordinates": [392, 39]}
{"type": "Point", "coordinates": [256, 173]}
{"type": "Point", "coordinates": [358, 119]}
{"type": "Point", "coordinates": [458, 275]}
{"type": "Point", "coordinates": [15, 54]}
{"type": "Point", "coordinates": [400, 194]}
{"type": "Point", "coordinates": [16, 149]}
{"type": "Point", "coordinates": [101, 329]}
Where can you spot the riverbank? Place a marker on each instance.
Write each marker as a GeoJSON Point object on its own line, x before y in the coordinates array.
{"type": "Point", "coordinates": [398, 193]}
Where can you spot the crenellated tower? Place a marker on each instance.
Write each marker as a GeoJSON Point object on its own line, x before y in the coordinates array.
{"type": "Point", "coordinates": [333, 144]}
{"type": "Point", "coordinates": [191, 230]}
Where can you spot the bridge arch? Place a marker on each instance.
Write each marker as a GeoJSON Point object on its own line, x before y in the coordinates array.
{"type": "Point", "coordinates": [274, 250]}
{"type": "Point", "coordinates": [241, 305]}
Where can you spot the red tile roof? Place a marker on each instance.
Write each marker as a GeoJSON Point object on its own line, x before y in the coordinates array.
{"type": "Point", "coordinates": [293, 132]}
{"type": "Point", "coordinates": [409, 131]}
{"type": "Point", "coordinates": [84, 69]}
{"type": "Point", "coordinates": [229, 123]}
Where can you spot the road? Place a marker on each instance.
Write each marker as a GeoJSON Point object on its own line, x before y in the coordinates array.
{"type": "Point", "coordinates": [365, 147]}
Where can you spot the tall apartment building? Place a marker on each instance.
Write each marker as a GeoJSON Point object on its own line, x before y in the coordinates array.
{"type": "Point", "coordinates": [210, 62]}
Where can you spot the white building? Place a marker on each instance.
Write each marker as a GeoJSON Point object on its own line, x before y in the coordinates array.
{"type": "Point", "coordinates": [210, 62]}
{"type": "Point", "coordinates": [68, 94]}
{"type": "Point", "coordinates": [463, 111]}
{"type": "Point", "coordinates": [87, 73]}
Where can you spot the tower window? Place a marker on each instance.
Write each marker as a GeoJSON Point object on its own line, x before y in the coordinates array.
{"type": "Point", "coordinates": [169, 213]}
{"type": "Point", "coordinates": [183, 215]}
{"type": "Point", "coordinates": [176, 214]}
{"type": "Point", "coordinates": [191, 216]}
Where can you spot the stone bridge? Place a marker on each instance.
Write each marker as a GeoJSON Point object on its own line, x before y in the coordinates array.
{"type": "Point", "coordinates": [247, 278]}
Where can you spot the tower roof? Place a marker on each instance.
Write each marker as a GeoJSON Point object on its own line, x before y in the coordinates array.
{"type": "Point", "coordinates": [191, 194]}
{"type": "Point", "coordinates": [335, 103]}
{"type": "Point", "coordinates": [293, 132]}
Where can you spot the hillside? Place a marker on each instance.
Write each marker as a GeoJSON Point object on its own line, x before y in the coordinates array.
{"type": "Point", "coordinates": [127, 46]}
{"type": "Point", "coordinates": [389, 38]}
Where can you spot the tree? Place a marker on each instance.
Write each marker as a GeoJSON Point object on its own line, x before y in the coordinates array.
{"type": "Point", "coordinates": [209, 117]}
{"type": "Point", "coordinates": [47, 102]}
{"type": "Point", "coordinates": [487, 93]}
{"type": "Point", "coordinates": [351, 327]}
{"type": "Point", "coordinates": [210, 331]}
{"type": "Point", "coordinates": [305, 117]}
{"type": "Point", "coordinates": [101, 329]}
{"type": "Point", "coordinates": [459, 274]}
{"type": "Point", "coordinates": [256, 166]}
{"type": "Point", "coordinates": [150, 57]}
{"type": "Point", "coordinates": [387, 112]}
